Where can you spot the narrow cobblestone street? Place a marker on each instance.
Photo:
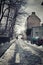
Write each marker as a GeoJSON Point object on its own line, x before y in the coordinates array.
{"type": "Point", "coordinates": [22, 53]}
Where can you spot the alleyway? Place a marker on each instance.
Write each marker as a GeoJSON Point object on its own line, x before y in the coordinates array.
{"type": "Point", "coordinates": [22, 53]}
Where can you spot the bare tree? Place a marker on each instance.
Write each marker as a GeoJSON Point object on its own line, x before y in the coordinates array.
{"type": "Point", "coordinates": [16, 4]}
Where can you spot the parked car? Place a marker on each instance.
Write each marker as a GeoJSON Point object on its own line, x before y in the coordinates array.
{"type": "Point", "coordinates": [38, 41]}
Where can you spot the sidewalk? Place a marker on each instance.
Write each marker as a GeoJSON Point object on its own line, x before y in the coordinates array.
{"type": "Point", "coordinates": [8, 55]}
{"type": "Point", "coordinates": [5, 46]}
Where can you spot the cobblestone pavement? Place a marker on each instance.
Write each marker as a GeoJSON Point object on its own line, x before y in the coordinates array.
{"type": "Point", "coordinates": [22, 53]}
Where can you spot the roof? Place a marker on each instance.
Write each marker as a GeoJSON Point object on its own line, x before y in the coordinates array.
{"type": "Point", "coordinates": [32, 15]}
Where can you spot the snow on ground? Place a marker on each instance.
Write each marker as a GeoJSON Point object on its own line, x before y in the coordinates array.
{"type": "Point", "coordinates": [23, 53]}
{"type": "Point", "coordinates": [29, 50]}
{"type": "Point", "coordinates": [34, 45]}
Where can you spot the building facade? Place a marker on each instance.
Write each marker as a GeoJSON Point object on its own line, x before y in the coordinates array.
{"type": "Point", "coordinates": [37, 32]}
{"type": "Point", "coordinates": [32, 21]}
